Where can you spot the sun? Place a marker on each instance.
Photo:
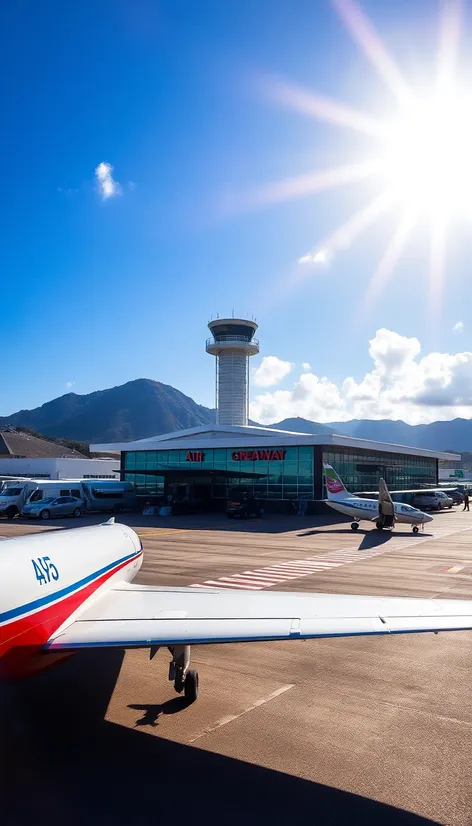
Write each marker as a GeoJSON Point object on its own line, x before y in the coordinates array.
{"type": "Point", "coordinates": [421, 157]}
{"type": "Point", "coordinates": [428, 160]}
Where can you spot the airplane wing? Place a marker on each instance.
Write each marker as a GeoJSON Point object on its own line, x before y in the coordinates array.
{"type": "Point", "coordinates": [133, 616]}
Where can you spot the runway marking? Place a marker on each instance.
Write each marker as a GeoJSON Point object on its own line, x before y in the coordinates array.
{"type": "Point", "coordinates": [230, 717]}
{"type": "Point", "coordinates": [257, 579]}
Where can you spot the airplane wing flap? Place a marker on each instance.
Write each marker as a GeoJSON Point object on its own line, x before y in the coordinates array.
{"type": "Point", "coordinates": [141, 616]}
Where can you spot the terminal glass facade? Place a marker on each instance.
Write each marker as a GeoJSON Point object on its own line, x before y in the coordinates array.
{"type": "Point", "coordinates": [287, 478]}
{"type": "Point", "coordinates": [361, 470]}
{"type": "Point", "coordinates": [298, 475]}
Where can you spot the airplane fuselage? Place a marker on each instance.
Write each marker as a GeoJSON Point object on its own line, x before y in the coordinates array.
{"type": "Point", "coordinates": [45, 581]}
{"type": "Point", "coordinates": [368, 509]}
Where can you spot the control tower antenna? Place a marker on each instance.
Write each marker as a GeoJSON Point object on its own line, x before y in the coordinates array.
{"type": "Point", "coordinates": [232, 343]}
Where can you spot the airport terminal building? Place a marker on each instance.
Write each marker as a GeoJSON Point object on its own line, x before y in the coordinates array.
{"type": "Point", "coordinates": [203, 464]}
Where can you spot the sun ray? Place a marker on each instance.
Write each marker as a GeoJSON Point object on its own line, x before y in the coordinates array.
{"type": "Point", "coordinates": [449, 36]}
{"type": "Point", "coordinates": [437, 263]}
{"type": "Point", "coordinates": [365, 35]}
{"type": "Point", "coordinates": [323, 108]}
{"type": "Point", "coordinates": [348, 232]}
{"type": "Point", "coordinates": [302, 185]}
{"type": "Point", "coordinates": [389, 260]}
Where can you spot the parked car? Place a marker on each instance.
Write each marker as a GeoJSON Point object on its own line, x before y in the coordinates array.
{"type": "Point", "coordinates": [457, 496]}
{"type": "Point", "coordinates": [428, 500]}
{"type": "Point", "coordinates": [51, 507]}
{"type": "Point", "coordinates": [447, 499]}
{"type": "Point", "coordinates": [243, 505]}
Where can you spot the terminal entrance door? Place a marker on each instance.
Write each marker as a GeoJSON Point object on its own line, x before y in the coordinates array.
{"type": "Point", "coordinates": [196, 491]}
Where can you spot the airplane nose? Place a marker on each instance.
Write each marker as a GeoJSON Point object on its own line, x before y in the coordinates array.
{"type": "Point", "coordinates": [427, 517]}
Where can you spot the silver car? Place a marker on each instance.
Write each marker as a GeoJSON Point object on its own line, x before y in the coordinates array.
{"type": "Point", "coordinates": [51, 507]}
{"type": "Point", "coordinates": [447, 500]}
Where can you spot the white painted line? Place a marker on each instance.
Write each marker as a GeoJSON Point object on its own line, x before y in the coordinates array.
{"type": "Point", "coordinates": [260, 575]}
{"type": "Point", "coordinates": [249, 580]}
{"type": "Point", "coordinates": [277, 573]}
{"type": "Point", "coordinates": [223, 721]}
{"type": "Point", "coordinates": [321, 564]}
{"type": "Point", "coordinates": [231, 582]}
{"type": "Point", "coordinates": [264, 577]}
{"type": "Point", "coordinates": [219, 584]}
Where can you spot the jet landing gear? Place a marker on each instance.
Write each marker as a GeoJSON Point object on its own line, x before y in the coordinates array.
{"type": "Point", "coordinates": [185, 679]}
{"type": "Point", "coordinates": [354, 526]}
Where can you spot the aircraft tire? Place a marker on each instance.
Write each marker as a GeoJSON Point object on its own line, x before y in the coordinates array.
{"type": "Point", "coordinates": [354, 526]}
{"type": "Point", "coordinates": [379, 526]}
{"type": "Point", "coordinates": [191, 686]}
{"type": "Point", "coordinates": [415, 529]}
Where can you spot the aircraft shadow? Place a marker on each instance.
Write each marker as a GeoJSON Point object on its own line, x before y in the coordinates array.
{"type": "Point", "coordinates": [371, 535]}
{"type": "Point", "coordinates": [66, 764]}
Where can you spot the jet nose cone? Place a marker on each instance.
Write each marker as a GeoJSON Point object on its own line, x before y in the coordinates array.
{"type": "Point", "coordinates": [428, 517]}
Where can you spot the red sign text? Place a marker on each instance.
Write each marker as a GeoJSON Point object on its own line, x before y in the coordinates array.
{"type": "Point", "coordinates": [257, 455]}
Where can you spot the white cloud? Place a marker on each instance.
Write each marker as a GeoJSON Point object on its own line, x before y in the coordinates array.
{"type": "Point", "coordinates": [458, 327]}
{"type": "Point", "coordinates": [401, 385]}
{"type": "Point", "coordinates": [306, 367]}
{"type": "Point", "coordinates": [69, 384]}
{"type": "Point", "coordinates": [319, 257]}
{"type": "Point", "coordinates": [271, 371]}
{"type": "Point", "coordinates": [108, 187]}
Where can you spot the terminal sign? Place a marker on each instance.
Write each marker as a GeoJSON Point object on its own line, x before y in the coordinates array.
{"type": "Point", "coordinates": [194, 456]}
{"type": "Point", "coordinates": [257, 455]}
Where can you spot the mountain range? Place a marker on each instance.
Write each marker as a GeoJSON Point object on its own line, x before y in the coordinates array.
{"type": "Point", "coordinates": [454, 435]}
{"type": "Point", "coordinates": [130, 411]}
{"type": "Point", "coordinates": [143, 408]}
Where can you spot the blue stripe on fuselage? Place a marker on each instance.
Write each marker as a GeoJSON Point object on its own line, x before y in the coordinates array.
{"type": "Point", "coordinates": [58, 595]}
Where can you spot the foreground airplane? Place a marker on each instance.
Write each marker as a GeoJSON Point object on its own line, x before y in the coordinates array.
{"type": "Point", "coordinates": [383, 511]}
{"type": "Point", "coordinates": [62, 591]}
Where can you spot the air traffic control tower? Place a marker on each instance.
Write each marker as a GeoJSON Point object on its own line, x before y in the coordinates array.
{"type": "Point", "coordinates": [232, 343]}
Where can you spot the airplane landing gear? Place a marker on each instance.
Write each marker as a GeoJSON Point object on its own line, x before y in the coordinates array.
{"type": "Point", "coordinates": [354, 526]}
{"type": "Point", "coordinates": [185, 680]}
{"type": "Point", "coordinates": [415, 529]}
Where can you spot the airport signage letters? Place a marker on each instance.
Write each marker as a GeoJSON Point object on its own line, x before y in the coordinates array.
{"type": "Point", "coordinates": [193, 456]}
{"type": "Point", "coordinates": [258, 455]}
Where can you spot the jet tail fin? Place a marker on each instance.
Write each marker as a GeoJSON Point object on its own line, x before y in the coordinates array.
{"type": "Point", "coordinates": [385, 500]}
{"type": "Point", "coordinates": [334, 485]}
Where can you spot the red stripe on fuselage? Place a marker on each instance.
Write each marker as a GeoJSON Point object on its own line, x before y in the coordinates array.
{"type": "Point", "coordinates": [22, 641]}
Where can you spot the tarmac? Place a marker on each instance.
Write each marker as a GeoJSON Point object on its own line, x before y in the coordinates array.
{"type": "Point", "coordinates": [367, 730]}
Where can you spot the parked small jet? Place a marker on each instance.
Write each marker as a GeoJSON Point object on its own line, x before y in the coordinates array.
{"type": "Point", "coordinates": [383, 511]}
{"type": "Point", "coordinates": [62, 591]}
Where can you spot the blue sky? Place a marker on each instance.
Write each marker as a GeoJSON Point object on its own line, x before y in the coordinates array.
{"type": "Point", "coordinates": [100, 291]}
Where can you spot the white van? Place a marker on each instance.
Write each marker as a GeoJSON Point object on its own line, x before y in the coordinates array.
{"type": "Point", "coordinates": [99, 495]}
{"type": "Point", "coordinates": [16, 494]}
{"type": "Point", "coordinates": [65, 487]}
